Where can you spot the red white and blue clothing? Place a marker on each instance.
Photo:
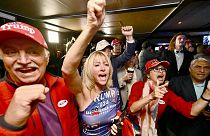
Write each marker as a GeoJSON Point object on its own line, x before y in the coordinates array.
{"type": "Point", "coordinates": [97, 118]}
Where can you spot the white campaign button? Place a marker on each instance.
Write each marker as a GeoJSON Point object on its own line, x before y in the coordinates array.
{"type": "Point", "coordinates": [161, 102]}
{"type": "Point", "coordinates": [62, 103]}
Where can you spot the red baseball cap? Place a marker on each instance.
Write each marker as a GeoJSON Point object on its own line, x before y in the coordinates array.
{"type": "Point", "coordinates": [154, 62]}
{"type": "Point", "coordinates": [115, 41]}
{"type": "Point", "coordinates": [20, 29]}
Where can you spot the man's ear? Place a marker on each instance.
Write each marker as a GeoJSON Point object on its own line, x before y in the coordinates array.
{"type": "Point", "coordinates": [47, 55]}
{"type": "Point", "coordinates": [48, 58]}
{"type": "Point", "coordinates": [190, 70]}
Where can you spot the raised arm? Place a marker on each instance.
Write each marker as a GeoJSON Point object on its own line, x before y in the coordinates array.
{"type": "Point", "coordinates": [127, 31]}
{"type": "Point", "coordinates": [95, 18]}
{"type": "Point", "coordinates": [202, 102]}
{"type": "Point", "coordinates": [119, 61]}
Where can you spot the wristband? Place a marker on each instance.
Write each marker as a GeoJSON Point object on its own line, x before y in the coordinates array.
{"type": "Point", "coordinates": [4, 124]}
{"type": "Point", "coordinates": [204, 99]}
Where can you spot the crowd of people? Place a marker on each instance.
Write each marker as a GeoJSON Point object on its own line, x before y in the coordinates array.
{"type": "Point", "coordinates": [163, 93]}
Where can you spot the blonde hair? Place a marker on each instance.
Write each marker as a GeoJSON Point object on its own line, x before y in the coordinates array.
{"type": "Point", "coordinates": [88, 78]}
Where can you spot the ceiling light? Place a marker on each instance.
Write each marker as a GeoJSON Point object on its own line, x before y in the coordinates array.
{"type": "Point", "coordinates": [53, 37]}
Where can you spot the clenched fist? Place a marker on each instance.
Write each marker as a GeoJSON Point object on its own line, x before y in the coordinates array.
{"type": "Point", "coordinates": [24, 102]}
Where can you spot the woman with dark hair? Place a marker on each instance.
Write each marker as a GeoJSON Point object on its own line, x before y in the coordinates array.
{"type": "Point", "coordinates": [148, 100]}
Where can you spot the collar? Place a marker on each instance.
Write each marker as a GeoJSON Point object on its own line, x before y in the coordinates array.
{"type": "Point", "coordinates": [199, 85]}
{"type": "Point", "coordinates": [181, 51]}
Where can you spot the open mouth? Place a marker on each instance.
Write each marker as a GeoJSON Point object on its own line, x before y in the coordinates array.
{"type": "Point", "coordinates": [26, 70]}
{"type": "Point", "coordinates": [161, 78]}
{"type": "Point", "coordinates": [102, 76]}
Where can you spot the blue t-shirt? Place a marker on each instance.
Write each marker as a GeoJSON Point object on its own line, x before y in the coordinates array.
{"type": "Point", "coordinates": [97, 117]}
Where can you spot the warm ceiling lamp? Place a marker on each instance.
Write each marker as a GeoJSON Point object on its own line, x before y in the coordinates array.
{"type": "Point", "coordinates": [179, 22]}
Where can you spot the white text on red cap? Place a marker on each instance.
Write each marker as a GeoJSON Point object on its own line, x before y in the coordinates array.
{"type": "Point", "coordinates": [18, 26]}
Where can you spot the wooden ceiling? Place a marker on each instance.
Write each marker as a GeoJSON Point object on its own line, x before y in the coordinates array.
{"type": "Point", "coordinates": [66, 15]}
{"type": "Point", "coordinates": [146, 16]}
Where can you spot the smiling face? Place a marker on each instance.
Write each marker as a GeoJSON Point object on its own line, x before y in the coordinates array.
{"type": "Point", "coordinates": [24, 60]}
{"type": "Point", "coordinates": [157, 73]}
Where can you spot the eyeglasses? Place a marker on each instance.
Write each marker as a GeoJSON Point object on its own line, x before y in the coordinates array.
{"type": "Point", "coordinates": [159, 69]}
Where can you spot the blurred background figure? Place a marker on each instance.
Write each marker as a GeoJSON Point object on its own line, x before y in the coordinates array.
{"type": "Point", "coordinates": [57, 71]}
{"type": "Point", "coordinates": [137, 59]}
{"type": "Point", "coordinates": [162, 48]}
{"type": "Point", "coordinates": [147, 53]}
{"type": "Point", "coordinates": [81, 66]}
{"type": "Point", "coordinates": [119, 61]}
{"type": "Point", "coordinates": [177, 56]}
{"type": "Point", "coordinates": [202, 52]}
{"type": "Point", "coordinates": [190, 47]}
{"type": "Point", "coordinates": [188, 44]}
{"type": "Point", "coordinates": [127, 76]}
{"type": "Point", "coordinates": [117, 47]}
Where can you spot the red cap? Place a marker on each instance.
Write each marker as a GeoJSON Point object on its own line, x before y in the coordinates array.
{"type": "Point", "coordinates": [115, 41]}
{"type": "Point", "coordinates": [20, 29]}
{"type": "Point", "coordinates": [154, 62]}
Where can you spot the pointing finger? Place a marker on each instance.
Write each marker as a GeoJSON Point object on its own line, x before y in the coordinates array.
{"type": "Point", "coordinates": [165, 84]}
{"type": "Point", "coordinates": [158, 82]}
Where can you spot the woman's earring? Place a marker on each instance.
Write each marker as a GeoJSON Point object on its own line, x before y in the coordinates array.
{"type": "Point", "coordinates": [148, 77]}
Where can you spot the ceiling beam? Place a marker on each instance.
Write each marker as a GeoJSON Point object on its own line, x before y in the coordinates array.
{"type": "Point", "coordinates": [117, 11]}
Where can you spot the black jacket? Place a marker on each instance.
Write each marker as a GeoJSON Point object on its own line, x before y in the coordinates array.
{"type": "Point", "coordinates": [181, 126]}
{"type": "Point", "coordinates": [173, 71]}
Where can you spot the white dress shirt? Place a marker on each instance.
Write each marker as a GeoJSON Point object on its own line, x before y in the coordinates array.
{"type": "Point", "coordinates": [179, 58]}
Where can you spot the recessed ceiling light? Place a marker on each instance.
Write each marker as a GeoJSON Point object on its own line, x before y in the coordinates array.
{"type": "Point", "coordinates": [179, 22]}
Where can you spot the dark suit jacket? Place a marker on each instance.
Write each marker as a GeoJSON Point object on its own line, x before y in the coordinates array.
{"type": "Point", "coordinates": [181, 126]}
{"type": "Point", "coordinates": [173, 71]}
